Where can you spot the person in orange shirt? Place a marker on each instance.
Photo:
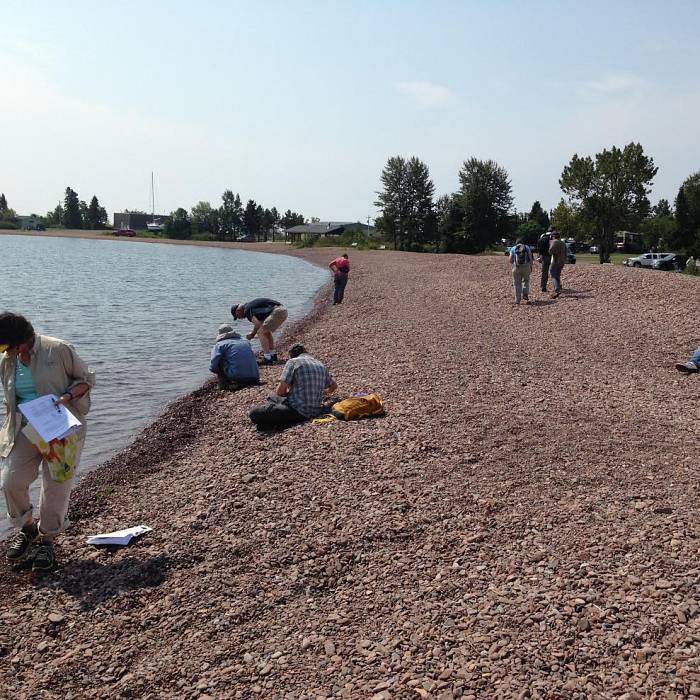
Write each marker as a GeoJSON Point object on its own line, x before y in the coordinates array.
{"type": "Point", "coordinates": [341, 270]}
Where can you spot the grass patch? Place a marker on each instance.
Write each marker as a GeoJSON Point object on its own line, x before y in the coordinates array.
{"type": "Point", "coordinates": [615, 258]}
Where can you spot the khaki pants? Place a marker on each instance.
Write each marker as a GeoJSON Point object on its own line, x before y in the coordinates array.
{"type": "Point", "coordinates": [275, 319]}
{"type": "Point", "coordinates": [21, 469]}
{"type": "Point", "coordinates": [521, 281]}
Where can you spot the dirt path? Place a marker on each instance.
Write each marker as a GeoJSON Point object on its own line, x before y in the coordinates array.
{"type": "Point", "coordinates": [523, 523]}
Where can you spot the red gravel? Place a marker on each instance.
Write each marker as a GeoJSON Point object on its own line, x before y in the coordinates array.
{"type": "Point", "coordinates": [522, 523]}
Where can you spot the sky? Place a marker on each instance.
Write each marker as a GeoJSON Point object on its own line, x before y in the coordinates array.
{"type": "Point", "coordinates": [299, 105]}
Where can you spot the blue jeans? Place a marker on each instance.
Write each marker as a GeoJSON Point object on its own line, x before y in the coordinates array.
{"type": "Point", "coordinates": [695, 359]}
{"type": "Point", "coordinates": [339, 290]}
{"type": "Point", "coordinates": [555, 272]}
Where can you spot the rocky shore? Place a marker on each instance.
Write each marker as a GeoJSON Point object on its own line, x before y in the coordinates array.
{"type": "Point", "coordinates": [522, 523]}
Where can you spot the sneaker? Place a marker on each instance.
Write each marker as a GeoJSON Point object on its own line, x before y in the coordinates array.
{"type": "Point", "coordinates": [20, 542]}
{"type": "Point", "coordinates": [526, 298]}
{"type": "Point", "coordinates": [687, 367]}
{"type": "Point", "coordinates": [44, 558]}
{"type": "Point", "coordinates": [554, 295]}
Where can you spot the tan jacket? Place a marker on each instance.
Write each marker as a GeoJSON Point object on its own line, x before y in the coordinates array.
{"type": "Point", "coordinates": [56, 368]}
{"type": "Point", "coordinates": [557, 249]}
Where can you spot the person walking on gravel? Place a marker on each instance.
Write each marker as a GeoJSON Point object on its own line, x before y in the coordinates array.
{"type": "Point", "coordinates": [692, 365]}
{"type": "Point", "coordinates": [33, 366]}
{"type": "Point", "coordinates": [341, 270]}
{"type": "Point", "coordinates": [545, 258]}
{"type": "Point", "coordinates": [233, 360]}
{"type": "Point", "coordinates": [521, 266]}
{"type": "Point", "coordinates": [557, 249]}
{"type": "Point", "coordinates": [304, 383]}
{"type": "Point", "coordinates": [266, 315]}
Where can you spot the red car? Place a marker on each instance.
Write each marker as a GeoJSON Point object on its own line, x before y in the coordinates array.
{"type": "Point", "coordinates": [125, 232]}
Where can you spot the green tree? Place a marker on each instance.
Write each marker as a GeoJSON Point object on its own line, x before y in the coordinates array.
{"type": "Point", "coordinates": [251, 219]}
{"type": "Point", "coordinates": [3, 205]}
{"type": "Point", "coordinates": [230, 216]}
{"type": "Point", "coordinates": [406, 203]}
{"type": "Point", "coordinates": [662, 208]}
{"type": "Point", "coordinates": [486, 199]}
{"type": "Point", "coordinates": [178, 225]}
{"type": "Point", "coordinates": [539, 215]}
{"type": "Point", "coordinates": [688, 215]}
{"type": "Point", "coordinates": [205, 220]}
{"type": "Point", "coordinates": [72, 216]}
{"type": "Point", "coordinates": [96, 215]}
{"type": "Point", "coordinates": [610, 192]}
{"type": "Point", "coordinates": [291, 218]}
{"type": "Point", "coordinates": [55, 217]}
{"type": "Point", "coordinates": [659, 232]}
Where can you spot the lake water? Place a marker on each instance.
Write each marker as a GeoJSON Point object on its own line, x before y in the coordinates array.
{"type": "Point", "coordinates": [142, 315]}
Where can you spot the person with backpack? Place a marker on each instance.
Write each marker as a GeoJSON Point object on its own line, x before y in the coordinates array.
{"type": "Point", "coordinates": [544, 257]}
{"type": "Point", "coordinates": [521, 264]}
{"type": "Point", "coordinates": [341, 270]}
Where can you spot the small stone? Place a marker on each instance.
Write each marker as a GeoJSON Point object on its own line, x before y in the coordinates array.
{"type": "Point", "coordinates": [43, 646]}
{"type": "Point", "coordinates": [247, 478]}
{"type": "Point", "coordinates": [305, 643]}
{"type": "Point", "coordinates": [584, 624]}
{"type": "Point", "coordinates": [329, 648]}
{"type": "Point", "coordinates": [55, 618]}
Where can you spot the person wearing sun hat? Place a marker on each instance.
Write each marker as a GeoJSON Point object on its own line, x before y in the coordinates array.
{"type": "Point", "coordinates": [233, 360]}
{"type": "Point", "coordinates": [31, 366]}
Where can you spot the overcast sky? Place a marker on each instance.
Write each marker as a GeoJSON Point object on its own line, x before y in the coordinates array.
{"type": "Point", "coordinates": [299, 104]}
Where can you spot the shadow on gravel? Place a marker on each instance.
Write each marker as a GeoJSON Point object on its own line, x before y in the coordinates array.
{"type": "Point", "coordinates": [94, 583]}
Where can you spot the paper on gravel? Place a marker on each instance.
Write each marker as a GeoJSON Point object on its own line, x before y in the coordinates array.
{"type": "Point", "coordinates": [51, 421]}
{"type": "Point", "coordinates": [122, 537]}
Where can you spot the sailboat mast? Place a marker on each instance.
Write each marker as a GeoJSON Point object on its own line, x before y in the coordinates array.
{"type": "Point", "coordinates": [153, 200]}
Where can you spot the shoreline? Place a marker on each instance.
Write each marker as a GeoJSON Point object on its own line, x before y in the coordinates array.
{"type": "Point", "coordinates": [504, 527]}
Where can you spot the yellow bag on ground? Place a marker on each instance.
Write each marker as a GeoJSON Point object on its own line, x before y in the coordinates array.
{"type": "Point", "coordinates": [358, 407]}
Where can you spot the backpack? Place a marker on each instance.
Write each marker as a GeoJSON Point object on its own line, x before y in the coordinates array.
{"type": "Point", "coordinates": [358, 407]}
{"type": "Point", "coordinates": [543, 245]}
{"type": "Point", "coordinates": [521, 254]}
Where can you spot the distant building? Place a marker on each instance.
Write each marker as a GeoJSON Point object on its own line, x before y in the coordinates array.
{"type": "Point", "coordinates": [323, 228]}
{"type": "Point", "coordinates": [31, 223]}
{"type": "Point", "coordinates": [136, 220]}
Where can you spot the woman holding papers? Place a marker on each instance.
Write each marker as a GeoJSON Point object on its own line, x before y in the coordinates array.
{"type": "Point", "coordinates": [33, 366]}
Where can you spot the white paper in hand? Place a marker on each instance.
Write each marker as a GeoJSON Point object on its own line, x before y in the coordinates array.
{"type": "Point", "coordinates": [51, 421]}
{"type": "Point", "coordinates": [122, 537]}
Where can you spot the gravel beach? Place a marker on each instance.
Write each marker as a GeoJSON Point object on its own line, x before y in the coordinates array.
{"type": "Point", "coordinates": [523, 522]}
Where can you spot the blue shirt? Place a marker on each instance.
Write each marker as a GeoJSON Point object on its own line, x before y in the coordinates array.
{"type": "Point", "coordinates": [528, 254]}
{"type": "Point", "coordinates": [24, 383]}
{"type": "Point", "coordinates": [235, 358]}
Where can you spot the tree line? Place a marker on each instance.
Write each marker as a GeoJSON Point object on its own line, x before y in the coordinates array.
{"type": "Point", "coordinates": [603, 194]}
{"type": "Point", "coordinates": [230, 221]}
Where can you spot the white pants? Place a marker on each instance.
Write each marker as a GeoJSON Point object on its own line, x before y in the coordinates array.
{"type": "Point", "coordinates": [21, 469]}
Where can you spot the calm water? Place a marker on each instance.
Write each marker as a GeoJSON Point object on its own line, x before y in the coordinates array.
{"type": "Point", "coordinates": [142, 315]}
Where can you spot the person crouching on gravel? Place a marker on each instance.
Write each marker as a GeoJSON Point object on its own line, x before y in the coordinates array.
{"type": "Point", "coordinates": [692, 365]}
{"type": "Point", "coordinates": [32, 366]}
{"type": "Point", "coordinates": [266, 315]}
{"type": "Point", "coordinates": [521, 265]}
{"type": "Point", "coordinates": [233, 360]}
{"type": "Point", "coordinates": [304, 383]}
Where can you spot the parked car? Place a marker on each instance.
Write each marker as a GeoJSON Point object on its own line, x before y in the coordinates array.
{"type": "Point", "coordinates": [247, 238]}
{"type": "Point", "coordinates": [645, 260]}
{"type": "Point", "coordinates": [125, 232]}
{"type": "Point", "coordinates": [594, 249]}
{"type": "Point", "coordinates": [570, 254]}
{"type": "Point", "coordinates": [669, 262]}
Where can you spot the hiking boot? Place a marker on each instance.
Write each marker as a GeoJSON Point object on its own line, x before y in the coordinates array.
{"type": "Point", "coordinates": [44, 557]}
{"type": "Point", "coordinates": [687, 367]}
{"type": "Point", "coordinates": [554, 295]}
{"type": "Point", "coordinates": [20, 542]}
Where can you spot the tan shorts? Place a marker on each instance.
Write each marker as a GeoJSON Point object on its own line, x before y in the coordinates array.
{"type": "Point", "coordinates": [275, 319]}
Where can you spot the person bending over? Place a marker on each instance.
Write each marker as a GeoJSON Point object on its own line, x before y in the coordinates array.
{"type": "Point", "coordinates": [692, 365]}
{"type": "Point", "coordinates": [233, 360]}
{"type": "Point", "coordinates": [32, 366]}
{"type": "Point", "coordinates": [341, 270]}
{"type": "Point", "coordinates": [304, 383]}
{"type": "Point", "coordinates": [266, 315]}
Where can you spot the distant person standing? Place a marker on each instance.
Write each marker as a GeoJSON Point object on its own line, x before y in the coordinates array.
{"type": "Point", "coordinates": [557, 250]}
{"type": "Point", "coordinates": [521, 265]}
{"type": "Point", "coordinates": [341, 270]}
{"type": "Point", "coordinates": [545, 257]}
{"type": "Point", "coordinates": [266, 315]}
